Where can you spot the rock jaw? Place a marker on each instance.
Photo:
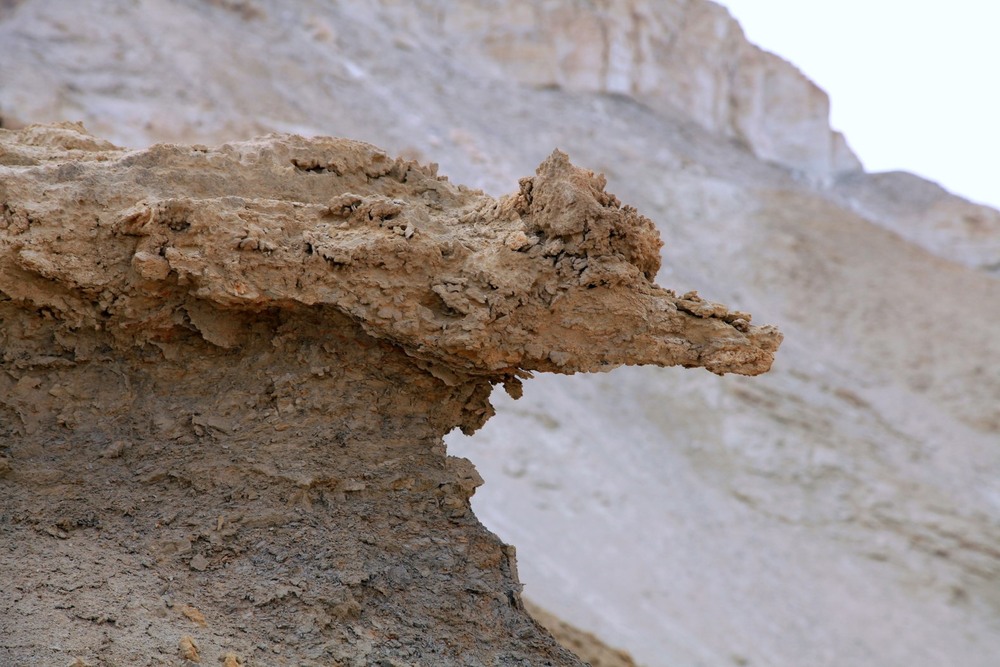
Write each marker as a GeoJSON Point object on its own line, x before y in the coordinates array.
{"type": "Point", "coordinates": [239, 363]}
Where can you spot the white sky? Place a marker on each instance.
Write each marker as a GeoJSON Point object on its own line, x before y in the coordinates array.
{"type": "Point", "coordinates": [913, 84]}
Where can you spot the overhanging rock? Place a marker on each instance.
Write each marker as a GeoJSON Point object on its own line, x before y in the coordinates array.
{"type": "Point", "coordinates": [228, 372]}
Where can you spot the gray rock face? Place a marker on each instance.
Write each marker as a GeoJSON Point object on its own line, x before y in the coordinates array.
{"type": "Point", "coordinates": [926, 214]}
{"type": "Point", "coordinates": [688, 56]}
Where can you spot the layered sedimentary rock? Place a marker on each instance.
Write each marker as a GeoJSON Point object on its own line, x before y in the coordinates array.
{"type": "Point", "coordinates": [228, 371]}
{"type": "Point", "coordinates": [689, 56]}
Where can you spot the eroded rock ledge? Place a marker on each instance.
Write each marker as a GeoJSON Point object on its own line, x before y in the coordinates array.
{"type": "Point", "coordinates": [228, 371]}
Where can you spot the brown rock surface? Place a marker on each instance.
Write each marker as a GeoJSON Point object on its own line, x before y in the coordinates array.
{"type": "Point", "coordinates": [228, 372]}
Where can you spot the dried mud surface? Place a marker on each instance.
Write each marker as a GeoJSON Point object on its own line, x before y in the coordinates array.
{"type": "Point", "coordinates": [227, 373]}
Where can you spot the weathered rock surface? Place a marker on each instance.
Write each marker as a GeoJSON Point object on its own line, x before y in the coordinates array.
{"type": "Point", "coordinates": [690, 56]}
{"type": "Point", "coordinates": [234, 368]}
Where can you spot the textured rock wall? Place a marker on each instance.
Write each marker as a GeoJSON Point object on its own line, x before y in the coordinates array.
{"type": "Point", "coordinates": [228, 371]}
{"type": "Point", "coordinates": [690, 56]}
{"type": "Point", "coordinates": [680, 56]}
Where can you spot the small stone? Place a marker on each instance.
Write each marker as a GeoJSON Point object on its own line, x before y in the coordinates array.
{"type": "Point", "coordinates": [150, 266]}
{"type": "Point", "coordinates": [560, 358]}
{"type": "Point", "coordinates": [194, 615]}
{"type": "Point", "coordinates": [189, 650]}
{"type": "Point", "coordinates": [199, 563]}
{"type": "Point", "coordinates": [516, 240]}
{"type": "Point", "coordinates": [115, 450]}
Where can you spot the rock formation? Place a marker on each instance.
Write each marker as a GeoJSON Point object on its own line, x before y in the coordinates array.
{"type": "Point", "coordinates": [674, 55]}
{"type": "Point", "coordinates": [691, 56]}
{"type": "Point", "coordinates": [817, 514]}
{"type": "Point", "coordinates": [228, 372]}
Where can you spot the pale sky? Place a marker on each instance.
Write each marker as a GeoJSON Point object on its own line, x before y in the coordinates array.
{"type": "Point", "coordinates": [913, 84]}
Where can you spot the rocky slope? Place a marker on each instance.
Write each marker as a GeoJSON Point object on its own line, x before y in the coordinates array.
{"type": "Point", "coordinates": [819, 514]}
{"type": "Point", "coordinates": [227, 374]}
{"type": "Point", "coordinates": [589, 647]}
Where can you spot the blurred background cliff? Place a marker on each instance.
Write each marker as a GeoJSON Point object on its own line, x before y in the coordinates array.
{"type": "Point", "coordinates": [842, 510]}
